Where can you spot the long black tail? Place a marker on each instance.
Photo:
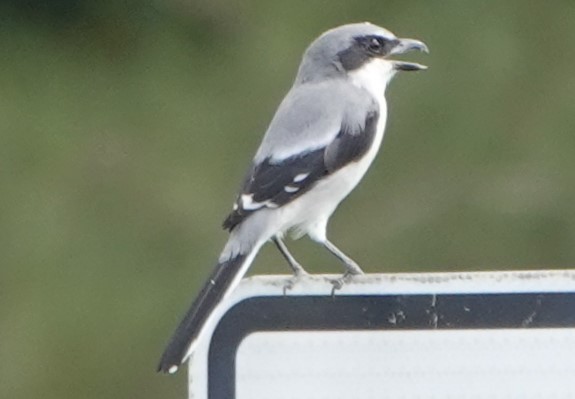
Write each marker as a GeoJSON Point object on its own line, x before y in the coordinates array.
{"type": "Point", "coordinates": [222, 280]}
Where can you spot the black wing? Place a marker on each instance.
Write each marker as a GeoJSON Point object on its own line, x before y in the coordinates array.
{"type": "Point", "coordinates": [271, 184]}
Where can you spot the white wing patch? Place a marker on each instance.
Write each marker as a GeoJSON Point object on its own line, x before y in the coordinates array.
{"type": "Point", "coordinates": [290, 189]}
{"type": "Point", "coordinates": [297, 179]}
{"type": "Point", "coordinates": [247, 203]}
{"type": "Point", "coordinates": [300, 177]}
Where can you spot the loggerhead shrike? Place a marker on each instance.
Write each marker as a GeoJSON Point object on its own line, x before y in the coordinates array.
{"type": "Point", "coordinates": [323, 137]}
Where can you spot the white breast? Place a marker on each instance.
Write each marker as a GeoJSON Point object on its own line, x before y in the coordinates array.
{"type": "Point", "coordinates": [309, 213]}
{"type": "Point", "coordinates": [374, 77]}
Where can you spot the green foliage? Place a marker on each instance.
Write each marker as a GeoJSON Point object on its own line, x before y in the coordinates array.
{"type": "Point", "coordinates": [126, 128]}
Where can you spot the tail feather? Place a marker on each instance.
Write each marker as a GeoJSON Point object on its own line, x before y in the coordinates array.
{"type": "Point", "coordinates": [222, 280]}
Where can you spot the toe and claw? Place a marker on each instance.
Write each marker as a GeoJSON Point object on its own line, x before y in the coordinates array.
{"type": "Point", "coordinates": [352, 268]}
{"type": "Point", "coordinates": [298, 270]}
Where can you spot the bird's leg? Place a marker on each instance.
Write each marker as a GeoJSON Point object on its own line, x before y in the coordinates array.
{"type": "Point", "coordinates": [352, 268]}
{"type": "Point", "coordinates": [294, 264]}
{"type": "Point", "coordinates": [298, 269]}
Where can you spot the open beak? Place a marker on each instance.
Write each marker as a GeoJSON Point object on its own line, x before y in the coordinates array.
{"type": "Point", "coordinates": [403, 46]}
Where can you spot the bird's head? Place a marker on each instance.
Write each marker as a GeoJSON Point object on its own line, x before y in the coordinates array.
{"type": "Point", "coordinates": [350, 48]}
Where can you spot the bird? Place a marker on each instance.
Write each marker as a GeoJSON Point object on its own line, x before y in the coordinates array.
{"type": "Point", "coordinates": [322, 139]}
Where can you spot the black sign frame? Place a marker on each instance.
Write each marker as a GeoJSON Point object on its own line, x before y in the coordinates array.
{"type": "Point", "coordinates": [377, 312]}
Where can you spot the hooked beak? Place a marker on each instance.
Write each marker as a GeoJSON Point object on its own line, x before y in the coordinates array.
{"type": "Point", "coordinates": [403, 46]}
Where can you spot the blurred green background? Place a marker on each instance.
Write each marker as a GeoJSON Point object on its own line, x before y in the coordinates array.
{"type": "Point", "coordinates": [126, 127]}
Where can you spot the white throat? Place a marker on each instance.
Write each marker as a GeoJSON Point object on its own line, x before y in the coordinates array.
{"type": "Point", "coordinates": [373, 77]}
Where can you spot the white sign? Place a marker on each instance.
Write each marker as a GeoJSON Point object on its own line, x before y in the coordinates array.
{"type": "Point", "coordinates": [442, 335]}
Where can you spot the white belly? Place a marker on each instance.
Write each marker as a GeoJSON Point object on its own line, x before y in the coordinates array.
{"type": "Point", "coordinates": [309, 213]}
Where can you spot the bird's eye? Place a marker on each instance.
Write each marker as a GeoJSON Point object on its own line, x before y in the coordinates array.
{"type": "Point", "coordinates": [375, 44]}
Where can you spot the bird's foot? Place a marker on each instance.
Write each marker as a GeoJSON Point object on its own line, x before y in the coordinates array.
{"type": "Point", "coordinates": [293, 280]}
{"type": "Point", "coordinates": [338, 283]}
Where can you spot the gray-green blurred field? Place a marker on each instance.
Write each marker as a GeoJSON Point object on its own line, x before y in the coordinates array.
{"type": "Point", "coordinates": [126, 126]}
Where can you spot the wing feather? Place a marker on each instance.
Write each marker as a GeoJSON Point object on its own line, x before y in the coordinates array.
{"type": "Point", "coordinates": [272, 184]}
